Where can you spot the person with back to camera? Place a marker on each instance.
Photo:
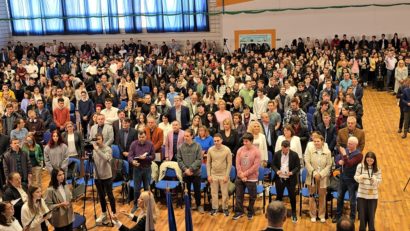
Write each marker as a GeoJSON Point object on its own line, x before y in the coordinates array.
{"type": "Point", "coordinates": [276, 215]}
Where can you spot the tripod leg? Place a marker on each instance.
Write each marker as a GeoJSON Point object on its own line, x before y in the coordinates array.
{"type": "Point", "coordinates": [406, 185]}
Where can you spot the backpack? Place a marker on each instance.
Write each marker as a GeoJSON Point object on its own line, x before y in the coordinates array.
{"type": "Point", "coordinates": [118, 173]}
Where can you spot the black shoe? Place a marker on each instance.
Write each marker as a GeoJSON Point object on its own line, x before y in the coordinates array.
{"type": "Point", "coordinates": [294, 218]}
{"type": "Point", "coordinates": [226, 213]}
{"type": "Point", "coordinates": [250, 216]}
{"type": "Point", "coordinates": [213, 212]}
{"type": "Point", "coordinates": [237, 215]}
{"type": "Point", "coordinates": [334, 220]}
{"type": "Point", "coordinates": [399, 131]}
{"type": "Point", "coordinates": [404, 136]}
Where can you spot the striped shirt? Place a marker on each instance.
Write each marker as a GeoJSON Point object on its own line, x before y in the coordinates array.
{"type": "Point", "coordinates": [367, 190]}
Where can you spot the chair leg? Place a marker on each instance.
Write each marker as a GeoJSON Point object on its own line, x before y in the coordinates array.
{"type": "Point", "coordinates": [263, 209]}
{"type": "Point", "coordinates": [300, 205]}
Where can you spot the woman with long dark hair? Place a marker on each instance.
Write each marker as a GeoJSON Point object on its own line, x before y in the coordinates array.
{"type": "Point", "coordinates": [34, 212]}
{"type": "Point", "coordinates": [56, 153]}
{"type": "Point", "coordinates": [58, 199]}
{"type": "Point", "coordinates": [369, 177]}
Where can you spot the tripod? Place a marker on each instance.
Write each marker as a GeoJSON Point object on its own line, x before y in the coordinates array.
{"type": "Point", "coordinates": [90, 176]}
{"type": "Point", "coordinates": [408, 181]}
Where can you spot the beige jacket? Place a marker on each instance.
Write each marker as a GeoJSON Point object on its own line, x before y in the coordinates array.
{"type": "Point", "coordinates": [318, 161]}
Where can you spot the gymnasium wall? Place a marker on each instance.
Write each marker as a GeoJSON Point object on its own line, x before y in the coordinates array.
{"type": "Point", "coordinates": [4, 25]}
{"type": "Point", "coordinates": [213, 35]}
{"type": "Point", "coordinates": [317, 23]}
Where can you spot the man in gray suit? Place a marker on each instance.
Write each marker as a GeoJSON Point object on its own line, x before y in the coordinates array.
{"type": "Point", "coordinates": [105, 129]}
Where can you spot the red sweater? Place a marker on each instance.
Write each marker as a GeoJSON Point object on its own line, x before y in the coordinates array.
{"type": "Point", "coordinates": [248, 162]}
{"type": "Point", "coordinates": [61, 116]}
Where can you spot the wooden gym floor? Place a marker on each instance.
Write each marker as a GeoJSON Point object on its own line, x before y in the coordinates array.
{"type": "Point", "coordinates": [381, 115]}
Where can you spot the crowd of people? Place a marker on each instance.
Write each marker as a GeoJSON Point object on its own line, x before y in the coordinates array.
{"type": "Point", "coordinates": [286, 110]}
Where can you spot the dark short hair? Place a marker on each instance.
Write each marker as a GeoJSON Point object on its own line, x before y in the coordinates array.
{"type": "Point", "coordinates": [345, 224]}
{"type": "Point", "coordinates": [285, 144]}
{"type": "Point", "coordinates": [218, 135]}
{"type": "Point", "coordinates": [60, 100]}
{"type": "Point", "coordinates": [247, 136]}
{"type": "Point", "coordinates": [142, 132]}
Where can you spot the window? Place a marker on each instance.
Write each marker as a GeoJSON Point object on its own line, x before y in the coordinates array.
{"type": "Point", "coordinates": [44, 17]}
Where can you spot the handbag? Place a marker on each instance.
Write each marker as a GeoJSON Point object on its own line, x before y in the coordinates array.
{"type": "Point", "coordinates": [334, 180]}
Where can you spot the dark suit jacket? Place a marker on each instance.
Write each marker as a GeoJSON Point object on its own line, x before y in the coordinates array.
{"type": "Point", "coordinates": [358, 94]}
{"type": "Point", "coordinates": [116, 128]}
{"type": "Point", "coordinates": [78, 139]}
{"type": "Point", "coordinates": [273, 136]}
{"type": "Point", "coordinates": [132, 135]}
{"type": "Point", "coordinates": [10, 194]}
{"type": "Point", "coordinates": [185, 119]}
{"type": "Point", "coordinates": [294, 165]}
{"type": "Point", "coordinates": [140, 226]}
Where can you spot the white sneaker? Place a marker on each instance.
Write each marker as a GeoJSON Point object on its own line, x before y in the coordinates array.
{"type": "Point", "coordinates": [313, 219]}
{"type": "Point", "coordinates": [102, 218]}
{"type": "Point", "coordinates": [323, 220]}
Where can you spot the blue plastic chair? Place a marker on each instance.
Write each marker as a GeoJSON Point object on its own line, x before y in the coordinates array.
{"type": "Point", "coordinates": [272, 189]}
{"type": "Point", "coordinates": [170, 183]}
{"type": "Point", "coordinates": [304, 191]}
{"type": "Point", "coordinates": [204, 181]}
{"type": "Point", "coordinates": [78, 162]}
{"type": "Point", "coordinates": [88, 169]}
{"type": "Point", "coordinates": [116, 152]}
{"type": "Point", "coordinates": [46, 137]}
{"type": "Point", "coordinates": [145, 90]}
{"type": "Point", "coordinates": [123, 105]}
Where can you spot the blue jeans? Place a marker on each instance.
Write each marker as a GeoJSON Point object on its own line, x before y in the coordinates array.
{"type": "Point", "coordinates": [141, 175]}
{"type": "Point", "coordinates": [351, 186]}
{"type": "Point", "coordinates": [389, 77]}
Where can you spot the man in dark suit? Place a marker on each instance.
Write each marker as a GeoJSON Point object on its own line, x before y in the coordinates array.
{"type": "Point", "coordinates": [126, 136]}
{"type": "Point", "coordinates": [180, 113]}
{"type": "Point", "coordinates": [383, 42]}
{"type": "Point", "coordinates": [357, 90]}
{"type": "Point", "coordinates": [4, 57]}
{"type": "Point", "coordinates": [268, 131]}
{"type": "Point", "coordinates": [286, 165]}
{"type": "Point", "coordinates": [118, 125]}
{"type": "Point", "coordinates": [276, 215]}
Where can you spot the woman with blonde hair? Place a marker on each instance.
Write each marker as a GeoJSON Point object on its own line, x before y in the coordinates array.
{"type": "Point", "coordinates": [318, 161]}
{"type": "Point", "coordinates": [259, 140]}
{"type": "Point", "coordinates": [146, 219]}
{"type": "Point", "coordinates": [401, 73]}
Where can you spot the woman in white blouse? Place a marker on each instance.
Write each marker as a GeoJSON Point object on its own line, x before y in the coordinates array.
{"type": "Point", "coordinates": [34, 212]}
{"type": "Point", "coordinates": [259, 140]}
{"type": "Point", "coordinates": [289, 135]}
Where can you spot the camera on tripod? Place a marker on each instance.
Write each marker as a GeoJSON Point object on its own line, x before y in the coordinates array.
{"type": "Point", "coordinates": [89, 147]}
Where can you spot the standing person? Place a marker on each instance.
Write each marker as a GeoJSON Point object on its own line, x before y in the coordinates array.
{"type": "Point", "coordinates": [58, 199]}
{"type": "Point", "coordinates": [20, 132]}
{"type": "Point", "coordinates": [180, 113]}
{"type": "Point", "coordinates": [218, 166]}
{"type": "Point", "coordinates": [35, 153]}
{"type": "Point", "coordinates": [103, 177]}
{"type": "Point", "coordinates": [154, 134]}
{"type": "Point", "coordinates": [86, 110]}
{"type": "Point", "coordinates": [102, 128]}
{"type": "Point", "coordinates": [126, 136]}
{"type": "Point", "coordinates": [348, 159]}
{"type": "Point", "coordinates": [276, 215]}
{"type": "Point", "coordinates": [15, 160]}
{"type": "Point", "coordinates": [33, 211]}
{"type": "Point", "coordinates": [7, 220]}
{"type": "Point", "coordinates": [405, 105]}
{"type": "Point", "coordinates": [175, 139]}
{"type": "Point", "coordinates": [14, 190]}
{"type": "Point", "coordinates": [369, 177]}
{"type": "Point", "coordinates": [61, 115]}
{"type": "Point", "coordinates": [248, 160]}
{"type": "Point", "coordinates": [55, 153]}
{"type": "Point", "coordinates": [318, 161]}
{"type": "Point", "coordinates": [286, 165]}
{"type": "Point", "coordinates": [189, 160]}
{"type": "Point", "coordinates": [141, 155]}
{"type": "Point", "coordinates": [74, 141]}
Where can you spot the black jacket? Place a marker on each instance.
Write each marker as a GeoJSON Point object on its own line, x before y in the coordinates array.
{"type": "Point", "coordinates": [132, 136]}
{"type": "Point", "coordinates": [294, 165]}
{"type": "Point", "coordinates": [10, 194]}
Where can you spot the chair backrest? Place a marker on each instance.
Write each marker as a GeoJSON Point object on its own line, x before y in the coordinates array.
{"type": "Point", "coordinates": [261, 175]}
{"type": "Point", "coordinates": [72, 107]}
{"type": "Point", "coordinates": [204, 174]}
{"type": "Point", "coordinates": [272, 175]}
{"type": "Point", "coordinates": [170, 173]}
{"type": "Point", "coordinates": [116, 151]}
{"type": "Point", "coordinates": [46, 137]}
{"type": "Point", "coordinates": [232, 174]}
{"type": "Point", "coordinates": [303, 176]}
{"type": "Point", "coordinates": [126, 167]}
{"type": "Point", "coordinates": [145, 89]}
{"type": "Point", "coordinates": [88, 168]}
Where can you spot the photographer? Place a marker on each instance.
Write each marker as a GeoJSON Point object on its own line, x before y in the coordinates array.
{"type": "Point", "coordinates": [103, 176]}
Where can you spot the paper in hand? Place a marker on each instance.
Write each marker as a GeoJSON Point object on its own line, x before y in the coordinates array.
{"type": "Point", "coordinates": [14, 202]}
